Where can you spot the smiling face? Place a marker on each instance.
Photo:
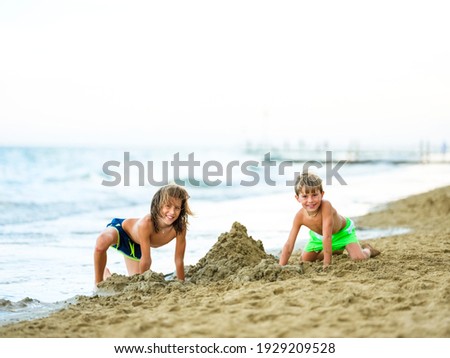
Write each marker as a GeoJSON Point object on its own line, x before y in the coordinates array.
{"type": "Point", "coordinates": [170, 207]}
{"type": "Point", "coordinates": [170, 211]}
{"type": "Point", "coordinates": [310, 199]}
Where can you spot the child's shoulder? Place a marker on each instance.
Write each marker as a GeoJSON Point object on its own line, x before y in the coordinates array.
{"type": "Point", "coordinates": [145, 218]}
{"type": "Point", "coordinates": [300, 215]}
{"type": "Point", "coordinates": [328, 207]}
{"type": "Point", "coordinates": [145, 222]}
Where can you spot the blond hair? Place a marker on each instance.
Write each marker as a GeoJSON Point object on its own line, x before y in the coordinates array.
{"type": "Point", "coordinates": [309, 182]}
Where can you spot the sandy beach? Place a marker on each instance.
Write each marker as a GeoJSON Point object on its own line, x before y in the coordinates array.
{"type": "Point", "coordinates": [238, 290]}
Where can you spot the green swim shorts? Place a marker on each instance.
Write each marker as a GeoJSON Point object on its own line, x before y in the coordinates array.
{"type": "Point", "coordinates": [338, 241]}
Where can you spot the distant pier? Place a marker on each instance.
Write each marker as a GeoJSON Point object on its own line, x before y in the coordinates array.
{"type": "Point", "coordinates": [353, 156]}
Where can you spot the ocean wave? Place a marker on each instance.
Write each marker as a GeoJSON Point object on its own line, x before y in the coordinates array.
{"type": "Point", "coordinates": [7, 305]}
{"type": "Point", "coordinates": [26, 309]}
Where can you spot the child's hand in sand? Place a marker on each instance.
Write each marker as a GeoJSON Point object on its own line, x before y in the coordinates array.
{"type": "Point", "coordinates": [326, 266]}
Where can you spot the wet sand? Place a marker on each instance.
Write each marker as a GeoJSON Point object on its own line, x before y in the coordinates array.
{"type": "Point", "coordinates": [238, 290]}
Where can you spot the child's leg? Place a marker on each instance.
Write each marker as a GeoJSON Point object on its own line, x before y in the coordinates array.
{"type": "Point", "coordinates": [335, 252]}
{"type": "Point", "coordinates": [106, 273]}
{"type": "Point", "coordinates": [356, 252]}
{"type": "Point", "coordinates": [310, 256]}
{"type": "Point", "coordinates": [317, 256]}
{"type": "Point", "coordinates": [107, 238]}
{"type": "Point", "coordinates": [132, 266]}
{"type": "Point", "coordinates": [373, 252]}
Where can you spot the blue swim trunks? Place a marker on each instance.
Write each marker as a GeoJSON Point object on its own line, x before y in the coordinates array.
{"type": "Point", "coordinates": [124, 243]}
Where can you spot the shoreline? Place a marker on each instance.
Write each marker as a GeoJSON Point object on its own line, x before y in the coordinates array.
{"type": "Point", "coordinates": [238, 290]}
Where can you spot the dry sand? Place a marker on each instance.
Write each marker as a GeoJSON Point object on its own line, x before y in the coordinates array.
{"type": "Point", "coordinates": [237, 290]}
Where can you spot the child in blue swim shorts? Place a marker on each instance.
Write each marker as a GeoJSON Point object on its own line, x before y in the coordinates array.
{"type": "Point", "coordinates": [330, 232]}
{"type": "Point", "coordinates": [135, 237]}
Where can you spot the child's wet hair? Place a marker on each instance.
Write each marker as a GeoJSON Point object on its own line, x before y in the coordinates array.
{"type": "Point", "coordinates": [309, 182]}
{"type": "Point", "coordinates": [162, 197]}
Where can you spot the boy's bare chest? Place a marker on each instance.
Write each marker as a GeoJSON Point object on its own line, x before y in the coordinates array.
{"type": "Point", "coordinates": [161, 239]}
{"type": "Point", "coordinates": [314, 223]}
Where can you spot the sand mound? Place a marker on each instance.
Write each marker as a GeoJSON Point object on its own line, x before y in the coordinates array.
{"type": "Point", "coordinates": [238, 257]}
{"type": "Point", "coordinates": [149, 281]}
{"type": "Point", "coordinates": [267, 270]}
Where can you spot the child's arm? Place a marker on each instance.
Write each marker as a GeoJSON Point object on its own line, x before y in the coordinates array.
{"type": "Point", "coordinates": [289, 245]}
{"type": "Point", "coordinates": [327, 231]}
{"type": "Point", "coordinates": [144, 231]}
{"type": "Point", "coordinates": [180, 248]}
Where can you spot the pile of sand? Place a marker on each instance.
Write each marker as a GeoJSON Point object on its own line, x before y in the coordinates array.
{"type": "Point", "coordinates": [149, 281]}
{"type": "Point", "coordinates": [238, 257]}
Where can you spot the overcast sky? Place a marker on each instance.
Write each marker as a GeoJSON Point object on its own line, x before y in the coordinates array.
{"type": "Point", "coordinates": [150, 72]}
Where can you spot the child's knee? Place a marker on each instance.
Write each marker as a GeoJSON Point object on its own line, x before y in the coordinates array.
{"type": "Point", "coordinates": [104, 241]}
{"type": "Point", "coordinates": [309, 256]}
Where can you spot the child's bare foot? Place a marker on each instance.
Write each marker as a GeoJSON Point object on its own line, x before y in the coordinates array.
{"type": "Point", "coordinates": [106, 273]}
{"type": "Point", "coordinates": [373, 252]}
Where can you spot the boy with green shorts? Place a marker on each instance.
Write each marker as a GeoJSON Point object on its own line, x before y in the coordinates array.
{"type": "Point", "coordinates": [330, 232]}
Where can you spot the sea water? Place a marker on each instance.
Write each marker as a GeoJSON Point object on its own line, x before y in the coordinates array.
{"type": "Point", "coordinates": [55, 201]}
